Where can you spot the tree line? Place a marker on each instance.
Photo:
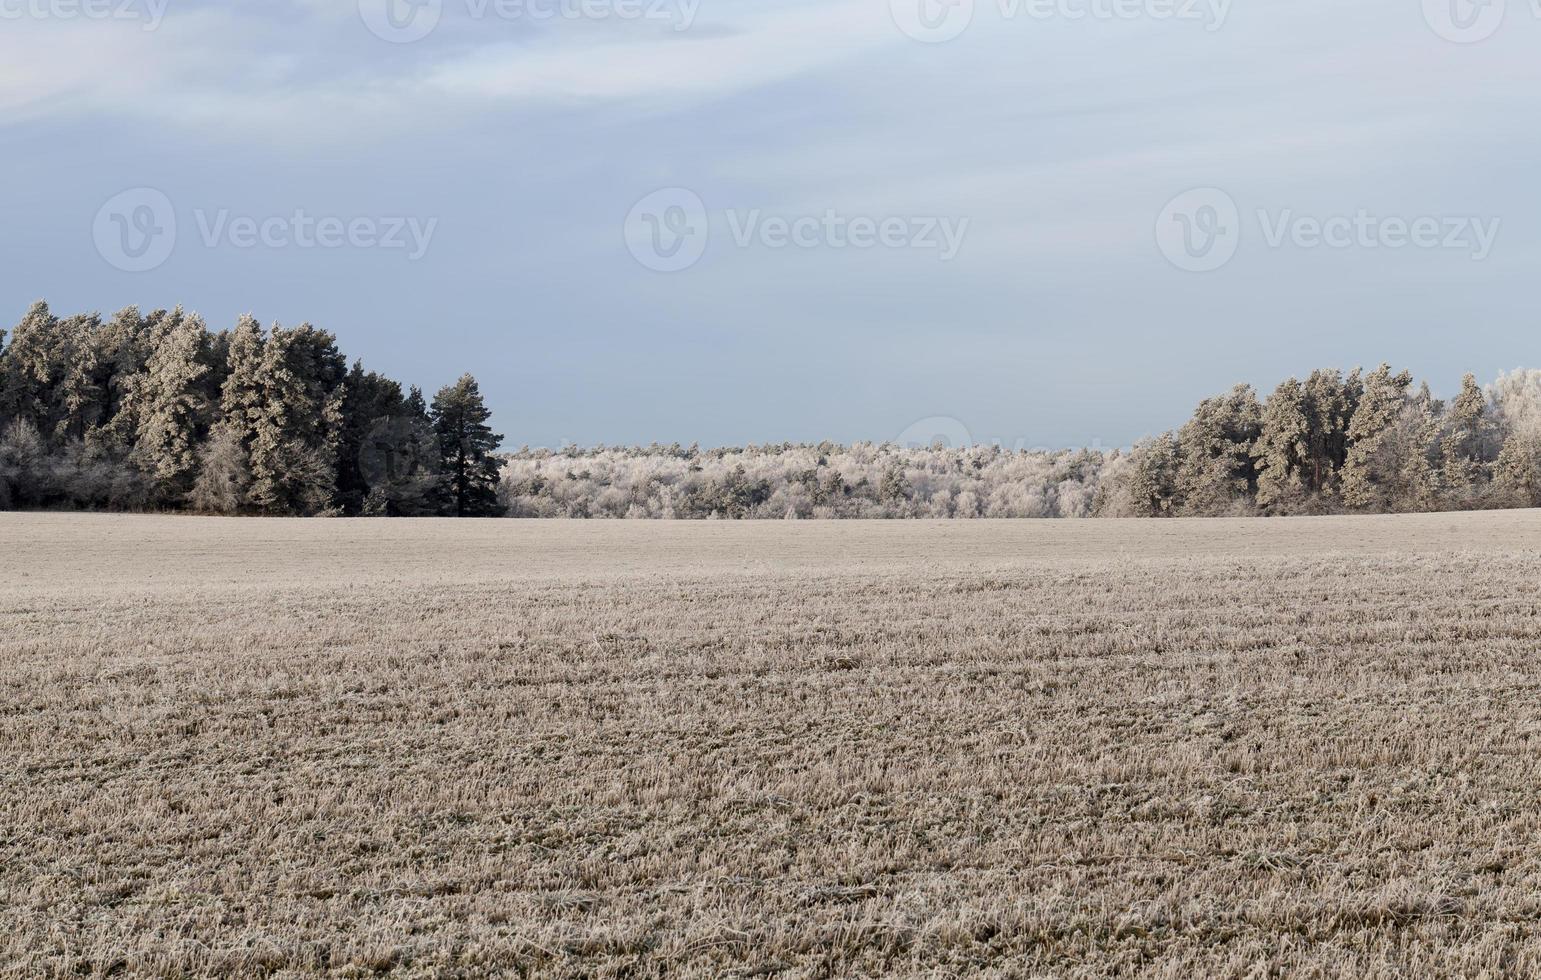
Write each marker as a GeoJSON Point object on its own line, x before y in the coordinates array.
{"type": "Point", "coordinates": [156, 411]}
{"type": "Point", "coordinates": [1334, 443]}
{"type": "Point", "coordinates": [827, 480]}
{"type": "Point", "coordinates": [1366, 442]}
{"type": "Point", "coordinates": [142, 412]}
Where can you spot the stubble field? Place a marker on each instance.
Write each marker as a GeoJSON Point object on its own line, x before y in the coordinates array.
{"type": "Point", "coordinates": [1233, 748]}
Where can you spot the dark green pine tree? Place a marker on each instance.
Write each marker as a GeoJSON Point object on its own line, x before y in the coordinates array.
{"type": "Point", "coordinates": [369, 399]}
{"type": "Point", "coordinates": [417, 406]}
{"type": "Point", "coordinates": [466, 447]}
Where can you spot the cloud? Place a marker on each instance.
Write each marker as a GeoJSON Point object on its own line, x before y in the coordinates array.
{"type": "Point", "coordinates": [309, 68]}
{"type": "Point", "coordinates": [706, 62]}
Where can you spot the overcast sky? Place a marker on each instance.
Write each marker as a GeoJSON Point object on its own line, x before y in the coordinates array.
{"type": "Point", "coordinates": [1056, 222]}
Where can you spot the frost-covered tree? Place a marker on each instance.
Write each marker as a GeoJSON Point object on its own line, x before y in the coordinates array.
{"type": "Point", "coordinates": [242, 394]}
{"type": "Point", "coordinates": [1517, 475]}
{"type": "Point", "coordinates": [298, 421]}
{"type": "Point", "coordinates": [1414, 443]}
{"type": "Point", "coordinates": [32, 369]}
{"type": "Point", "coordinates": [79, 401]}
{"type": "Point", "coordinates": [1216, 472]}
{"type": "Point", "coordinates": [147, 410]}
{"type": "Point", "coordinates": [173, 406]}
{"type": "Point", "coordinates": [894, 489]}
{"type": "Point", "coordinates": [811, 481]}
{"type": "Point", "coordinates": [1283, 450]}
{"type": "Point", "coordinates": [1515, 406]}
{"type": "Point", "coordinates": [23, 461]}
{"type": "Point", "coordinates": [124, 346]}
{"type": "Point", "coordinates": [223, 484]}
{"type": "Point", "coordinates": [1153, 478]}
{"type": "Point", "coordinates": [1368, 470]}
{"type": "Point", "coordinates": [1464, 467]}
{"type": "Point", "coordinates": [53, 375]}
{"type": "Point", "coordinates": [156, 410]}
{"type": "Point", "coordinates": [1328, 403]}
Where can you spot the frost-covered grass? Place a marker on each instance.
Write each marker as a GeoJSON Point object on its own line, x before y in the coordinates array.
{"type": "Point", "coordinates": [1182, 748]}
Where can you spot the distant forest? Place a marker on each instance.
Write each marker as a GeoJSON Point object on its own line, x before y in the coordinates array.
{"type": "Point", "coordinates": [157, 412]}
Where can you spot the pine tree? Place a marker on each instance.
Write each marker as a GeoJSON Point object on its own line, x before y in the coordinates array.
{"type": "Point", "coordinates": [417, 406]}
{"type": "Point", "coordinates": [1415, 442]}
{"type": "Point", "coordinates": [1517, 474]}
{"type": "Point", "coordinates": [1463, 468]}
{"type": "Point", "coordinates": [466, 445]}
{"type": "Point", "coordinates": [1328, 406]}
{"type": "Point", "coordinates": [373, 410]}
{"type": "Point", "coordinates": [241, 395]}
{"type": "Point", "coordinates": [53, 375]}
{"type": "Point", "coordinates": [174, 413]}
{"type": "Point", "coordinates": [124, 347]}
{"type": "Point", "coordinates": [32, 369]}
{"type": "Point", "coordinates": [79, 401]}
{"type": "Point", "coordinates": [1366, 471]}
{"type": "Point", "coordinates": [1153, 480]}
{"type": "Point", "coordinates": [398, 460]}
{"type": "Point", "coordinates": [298, 423]}
{"type": "Point", "coordinates": [417, 488]}
{"type": "Point", "coordinates": [1217, 471]}
{"type": "Point", "coordinates": [1283, 449]}
{"type": "Point", "coordinates": [894, 490]}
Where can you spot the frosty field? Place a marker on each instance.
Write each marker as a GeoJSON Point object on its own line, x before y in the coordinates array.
{"type": "Point", "coordinates": [1067, 748]}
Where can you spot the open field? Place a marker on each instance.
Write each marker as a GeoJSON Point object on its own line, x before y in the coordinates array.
{"type": "Point", "coordinates": [1238, 748]}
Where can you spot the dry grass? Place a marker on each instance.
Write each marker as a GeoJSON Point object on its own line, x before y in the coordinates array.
{"type": "Point", "coordinates": [631, 749]}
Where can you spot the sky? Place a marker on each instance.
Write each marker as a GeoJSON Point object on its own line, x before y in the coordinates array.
{"type": "Point", "coordinates": [1047, 223]}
